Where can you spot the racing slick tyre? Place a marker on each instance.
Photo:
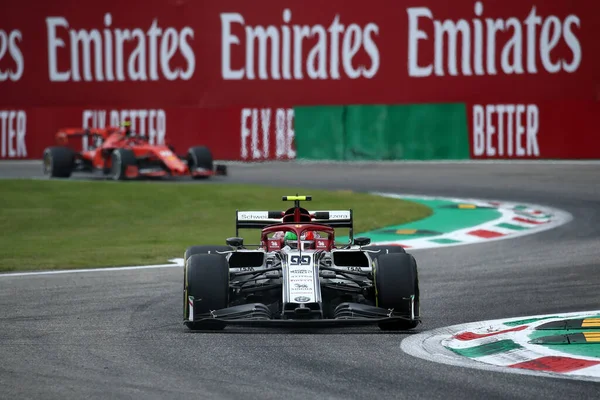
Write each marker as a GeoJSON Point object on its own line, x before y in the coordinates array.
{"type": "Point", "coordinates": [120, 160]}
{"type": "Point", "coordinates": [200, 157]}
{"type": "Point", "coordinates": [396, 281]}
{"type": "Point", "coordinates": [207, 280]}
{"type": "Point", "coordinates": [383, 250]}
{"type": "Point", "coordinates": [59, 162]}
{"type": "Point", "coordinates": [190, 251]}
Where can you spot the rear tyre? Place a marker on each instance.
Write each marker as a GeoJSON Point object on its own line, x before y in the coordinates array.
{"type": "Point", "coordinates": [396, 280]}
{"type": "Point", "coordinates": [120, 160]}
{"type": "Point", "coordinates": [58, 162]}
{"type": "Point", "coordinates": [200, 157]}
{"type": "Point", "coordinates": [207, 280]}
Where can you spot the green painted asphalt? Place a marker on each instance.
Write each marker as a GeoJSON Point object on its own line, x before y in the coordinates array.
{"type": "Point", "coordinates": [487, 349]}
{"type": "Point", "coordinates": [446, 217]}
{"type": "Point", "coordinates": [527, 321]}
{"type": "Point", "coordinates": [578, 349]}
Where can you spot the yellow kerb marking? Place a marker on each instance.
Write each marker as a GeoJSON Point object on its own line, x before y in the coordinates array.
{"type": "Point", "coordinates": [406, 231]}
{"type": "Point", "coordinates": [592, 336]}
{"type": "Point", "coordinates": [590, 322]}
{"type": "Point", "coordinates": [470, 206]}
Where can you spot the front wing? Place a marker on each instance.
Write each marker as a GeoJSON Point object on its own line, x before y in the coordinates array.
{"type": "Point", "coordinates": [219, 169]}
{"type": "Point", "coordinates": [259, 315]}
{"type": "Point", "coordinates": [155, 171]}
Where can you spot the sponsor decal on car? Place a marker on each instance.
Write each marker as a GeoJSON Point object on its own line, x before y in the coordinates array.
{"type": "Point", "coordinates": [359, 269]}
{"type": "Point", "coordinates": [257, 215]}
{"type": "Point", "coordinates": [301, 279]}
{"type": "Point", "coordinates": [321, 243]}
{"type": "Point", "coordinates": [301, 271]}
{"type": "Point", "coordinates": [300, 260]}
{"type": "Point", "coordinates": [149, 170]}
{"type": "Point", "coordinates": [339, 214]}
{"type": "Point", "coordinates": [302, 286]}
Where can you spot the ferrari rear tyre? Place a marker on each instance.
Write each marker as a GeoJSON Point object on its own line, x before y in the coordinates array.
{"type": "Point", "coordinates": [383, 250]}
{"type": "Point", "coordinates": [397, 280]}
{"type": "Point", "coordinates": [58, 162]}
{"type": "Point", "coordinates": [207, 281]}
{"type": "Point", "coordinates": [200, 157]}
{"type": "Point", "coordinates": [120, 160]}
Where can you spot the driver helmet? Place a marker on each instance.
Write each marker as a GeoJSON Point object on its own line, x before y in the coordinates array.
{"type": "Point", "coordinates": [290, 239]}
{"type": "Point", "coordinates": [310, 235]}
{"type": "Point", "coordinates": [308, 240]}
{"type": "Point", "coordinates": [127, 125]}
{"type": "Point", "coordinates": [278, 235]}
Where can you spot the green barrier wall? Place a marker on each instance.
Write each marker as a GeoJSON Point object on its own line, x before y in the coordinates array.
{"type": "Point", "coordinates": [382, 132]}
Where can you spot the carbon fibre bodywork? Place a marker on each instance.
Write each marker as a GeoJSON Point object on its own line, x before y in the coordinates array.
{"type": "Point", "coordinates": [116, 153]}
{"type": "Point", "coordinates": [301, 282]}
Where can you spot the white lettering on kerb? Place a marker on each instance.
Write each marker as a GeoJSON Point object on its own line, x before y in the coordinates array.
{"type": "Point", "coordinates": [459, 47]}
{"type": "Point", "coordinates": [506, 130]}
{"type": "Point", "coordinates": [277, 51]}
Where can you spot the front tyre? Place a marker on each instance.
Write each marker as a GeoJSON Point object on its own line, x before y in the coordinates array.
{"type": "Point", "coordinates": [207, 281]}
{"type": "Point", "coordinates": [397, 281]}
{"type": "Point", "coordinates": [58, 162]}
{"type": "Point", "coordinates": [121, 159]}
{"type": "Point", "coordinates": [207, 249]}
{"type": "Point", "coordinates": [200, 158]}
{"type": "Point", "coordinates": [383, 249]}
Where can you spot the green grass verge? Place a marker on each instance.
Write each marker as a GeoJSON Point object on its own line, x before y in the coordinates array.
{"type": "Point", "coordinates": [76, 224]}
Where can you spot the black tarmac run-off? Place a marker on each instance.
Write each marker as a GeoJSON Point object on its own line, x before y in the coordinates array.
{"type": "Point", "coordinates": [119, 334]}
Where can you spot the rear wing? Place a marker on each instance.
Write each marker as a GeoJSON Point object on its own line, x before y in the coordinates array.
{"type": "Point", "coordinates": [64, 134]}
{"type": "Point", "coordinates": [262, 219]}
{"type": "Point", "coordinates": [256, 219]}
{"type": "Point", "coordinates": [83, 131]}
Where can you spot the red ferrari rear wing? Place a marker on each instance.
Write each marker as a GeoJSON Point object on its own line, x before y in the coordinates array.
{"type": "Point", "coordinates": [63, 135]}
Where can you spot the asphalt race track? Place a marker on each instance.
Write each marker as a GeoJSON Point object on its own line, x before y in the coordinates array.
{"type": "Point", "coordinates": [119, 334]}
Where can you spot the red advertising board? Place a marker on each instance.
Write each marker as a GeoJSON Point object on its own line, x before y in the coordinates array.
{"type": "Point", "coordinates": [545, 129]}
{"type": "Point", "coordinates": [201, 61]}
{"type": "Point", "coordinates": [246, 134]}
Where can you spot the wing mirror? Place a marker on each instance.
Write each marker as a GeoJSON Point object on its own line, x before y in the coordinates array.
{"type": "Point", "coordinates": [235, 241]}
{"type": "Point", "coordinates": [362, 241]}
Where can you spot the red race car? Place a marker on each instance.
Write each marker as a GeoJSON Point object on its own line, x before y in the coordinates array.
{"type": "Point", "coordinates": [120, 154]}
